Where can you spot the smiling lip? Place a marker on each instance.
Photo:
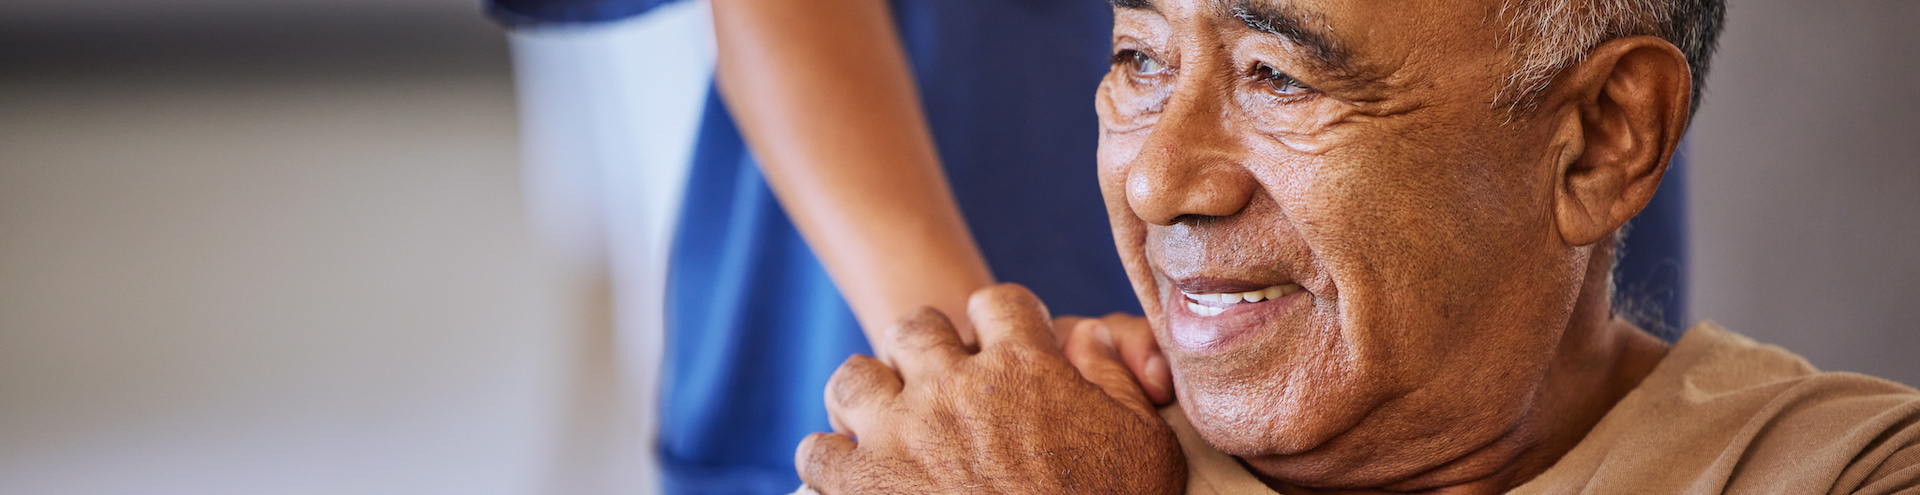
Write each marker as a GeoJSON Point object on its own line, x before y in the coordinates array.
{"type": "Point", "coordinates": [1207, 314]}
{"type": "Point", "coordinates": [1215, 303]}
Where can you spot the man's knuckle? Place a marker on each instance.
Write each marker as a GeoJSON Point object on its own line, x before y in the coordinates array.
{"type": "Point", "coordinates": [857, 378]}
{"type": "Point", "coordinates": [825, 460]}
{"type": "Point", "coordinates": [916, 337]}
{"type": "Point", "coordinates": [1017, 355]}
{"type": "Point", "coordinates": [925, 317]}
{"type": "Point", "coordinates": [811, 463]}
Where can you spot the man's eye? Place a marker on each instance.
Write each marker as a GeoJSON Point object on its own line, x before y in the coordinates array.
{"type": "Point", "coordinates": [1139, 62]}
{"type": "Point", "coordinates": [1281, 83]}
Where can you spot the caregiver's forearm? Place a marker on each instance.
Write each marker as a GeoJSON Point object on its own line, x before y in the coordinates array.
{"type": "Point", "coordinates": [822, 92]}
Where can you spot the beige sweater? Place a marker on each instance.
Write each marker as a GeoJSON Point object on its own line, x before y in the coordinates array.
{"type": "Point", "coordinates": [1720, 414]}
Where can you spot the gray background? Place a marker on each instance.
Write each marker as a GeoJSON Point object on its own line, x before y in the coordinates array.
{"type": "Point", "coordinates": [281, 248]}
{"type": "Point", "coordinates": [1805, 191]}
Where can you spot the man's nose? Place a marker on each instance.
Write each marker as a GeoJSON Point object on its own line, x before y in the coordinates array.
{"type": "Point", "coordinates": [1192, 164]}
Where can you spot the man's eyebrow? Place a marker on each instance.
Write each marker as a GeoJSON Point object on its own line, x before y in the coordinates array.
{"type": "Point", "coordinates": [1134, 4]}
{"type": "Point", "coordinates": [1288, 23]}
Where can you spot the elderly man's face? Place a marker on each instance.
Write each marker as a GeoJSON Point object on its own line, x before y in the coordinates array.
{"type": "Point", "coordinates": [1345, 164]}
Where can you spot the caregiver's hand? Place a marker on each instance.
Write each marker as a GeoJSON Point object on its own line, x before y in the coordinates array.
{"type": "Point", "coordinates": [1022, 415]}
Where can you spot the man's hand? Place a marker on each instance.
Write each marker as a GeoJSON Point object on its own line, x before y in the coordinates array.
{"type": "Point", "coordinates": [1019, 416]}
{"type": "Point", "coordinates": [1132, 338]}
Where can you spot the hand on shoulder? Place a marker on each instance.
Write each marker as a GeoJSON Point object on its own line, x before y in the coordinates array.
{"type": "Point", "coordinates": [1024, 413]}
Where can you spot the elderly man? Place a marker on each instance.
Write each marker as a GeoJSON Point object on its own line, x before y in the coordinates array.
{"type": "Point", "coordinates": [1373, 241]}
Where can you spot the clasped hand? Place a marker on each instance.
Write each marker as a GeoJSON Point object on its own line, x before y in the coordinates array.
{"type": "Point", "coordinates": [1025, 413]}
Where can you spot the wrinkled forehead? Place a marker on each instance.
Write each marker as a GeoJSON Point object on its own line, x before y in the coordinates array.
{"type": "Point", "coordinates": [1323, 12]}
{"type": "Point", "coordinates": [1355, 35]}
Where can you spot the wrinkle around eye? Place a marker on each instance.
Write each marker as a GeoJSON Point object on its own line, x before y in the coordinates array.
{"type": "Point", "coordinates": [1314, 128]}
{"type": "Point", "coordinates": [1123, 108]}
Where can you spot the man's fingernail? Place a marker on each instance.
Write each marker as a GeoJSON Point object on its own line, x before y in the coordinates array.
{"type": "Point", "coordinates": [1158, 375]}
{"type": "Point", "coordinates": [1104, 336]}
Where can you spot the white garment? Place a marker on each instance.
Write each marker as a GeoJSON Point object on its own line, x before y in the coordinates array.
{"type": "Point", "coordinates": [609, 114]}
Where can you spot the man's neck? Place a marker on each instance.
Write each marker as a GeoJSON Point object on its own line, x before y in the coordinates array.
{"type": "Point", "coordinates": [1599, 360]}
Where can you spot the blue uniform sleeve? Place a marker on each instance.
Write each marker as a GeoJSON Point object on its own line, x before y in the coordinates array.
{"type": "Point", "coordinates": [530, 12]}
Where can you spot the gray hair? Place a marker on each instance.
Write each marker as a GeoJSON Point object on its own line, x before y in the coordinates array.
{"type": "Point", "coordinates": [1547, 36]}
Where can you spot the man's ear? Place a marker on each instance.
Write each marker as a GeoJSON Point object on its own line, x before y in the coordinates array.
{"type": "Point", "coordinates": [1630, 97]}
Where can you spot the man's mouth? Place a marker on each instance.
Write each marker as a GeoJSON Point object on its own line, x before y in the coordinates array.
{"type": "Point", "coordinates": [1214, 303]}
{"type": "Point", "coordinates": [1220, 311]}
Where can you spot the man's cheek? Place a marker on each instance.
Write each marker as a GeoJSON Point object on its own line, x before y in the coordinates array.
{"type": "Point", "coordinates": [1114, 157]}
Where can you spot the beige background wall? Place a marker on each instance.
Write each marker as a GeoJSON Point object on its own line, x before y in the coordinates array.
{"type": "Point", "coordinates": [283, 249]}
{"type": "Point", "coordinates": [1806, 186]}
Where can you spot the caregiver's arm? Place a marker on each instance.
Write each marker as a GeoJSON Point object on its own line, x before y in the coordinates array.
{"type": "Point", "coordinates": [823, 94]}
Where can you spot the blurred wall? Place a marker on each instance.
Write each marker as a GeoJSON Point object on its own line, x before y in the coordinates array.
{"type": "Point", "coordinates": [1806, 182]}
{"type": "Point", "coordinates": [251, 247]}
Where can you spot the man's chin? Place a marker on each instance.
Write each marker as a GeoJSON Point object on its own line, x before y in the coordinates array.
{"type": "Point", "coordinates": [1276, 380]}
{"type": "Point", "coordinates": [1275, 416]}
{"type": "Point", "coordinates": [1327, 428]}
{"type": "Point", "coordinates": [1300, 446]}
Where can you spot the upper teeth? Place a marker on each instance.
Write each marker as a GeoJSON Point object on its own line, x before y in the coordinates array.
{"type": "Point", "coordinates": [1228, 299]}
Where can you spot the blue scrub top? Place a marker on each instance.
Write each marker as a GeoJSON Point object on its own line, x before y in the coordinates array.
{"type": "Point", "coordinates": [755, 326]}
